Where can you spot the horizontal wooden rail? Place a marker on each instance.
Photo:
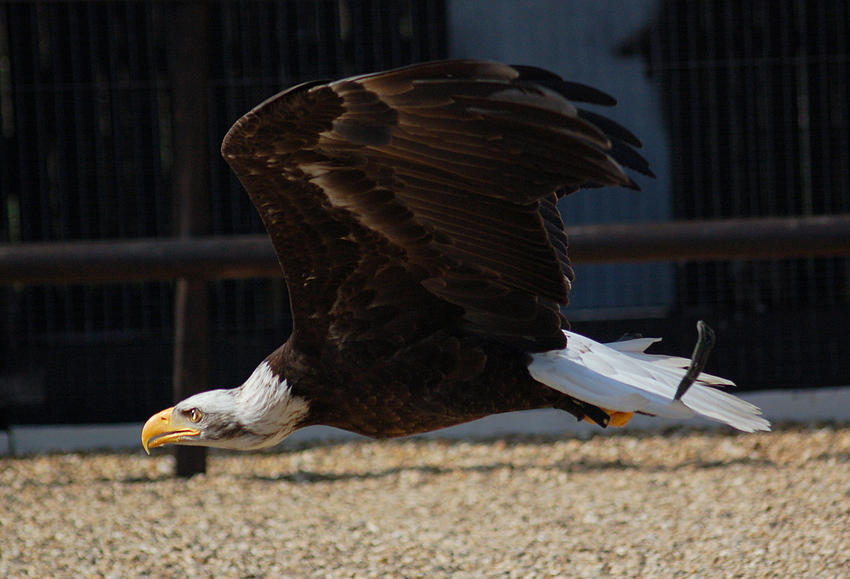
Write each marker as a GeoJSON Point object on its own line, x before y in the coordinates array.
{"type": "Point", "coordinates": [253, 256]}
{"type": "Point", "coordinates": [709, 240]}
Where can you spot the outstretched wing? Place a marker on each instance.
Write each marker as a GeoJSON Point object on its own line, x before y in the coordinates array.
{"type": "Point", "coordinates": [403, 202]}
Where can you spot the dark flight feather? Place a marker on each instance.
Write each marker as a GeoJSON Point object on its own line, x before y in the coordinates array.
{"type": "Point", "coordinates": [443, 174]}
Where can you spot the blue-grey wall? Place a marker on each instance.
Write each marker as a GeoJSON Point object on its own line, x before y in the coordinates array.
{"type": "Point", "coordinates": [578, 40]}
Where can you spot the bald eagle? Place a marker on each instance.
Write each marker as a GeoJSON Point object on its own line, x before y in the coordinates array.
{"type": "Point", "coordinates": [414, 214]}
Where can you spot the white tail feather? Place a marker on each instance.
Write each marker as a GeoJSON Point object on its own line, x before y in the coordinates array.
{"type": "Point", "coordinates": [619, 376]}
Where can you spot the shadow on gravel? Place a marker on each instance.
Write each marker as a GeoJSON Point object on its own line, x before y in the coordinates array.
{"type": "Point", "coordinates": [582, 466]}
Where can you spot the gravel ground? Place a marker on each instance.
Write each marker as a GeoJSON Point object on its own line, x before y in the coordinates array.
{"type": "Point", "coordinates": [682, 504]}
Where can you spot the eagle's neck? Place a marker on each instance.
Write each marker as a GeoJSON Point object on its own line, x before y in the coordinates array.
{"type": "Point", "coordinates": [265, 405]}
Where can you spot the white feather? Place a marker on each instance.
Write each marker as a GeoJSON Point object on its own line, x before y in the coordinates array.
{"type": "Point", "coordinates": [619, 376]}
{"type": "Point", "coordinates": [266, 404]}
{"type": "Point", "coordinates": [259, 413]}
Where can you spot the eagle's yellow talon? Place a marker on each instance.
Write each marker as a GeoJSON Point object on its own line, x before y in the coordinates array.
{"type": "Point", "coordinates": [615, 418]}
{"type": "Point", "coordinates": [620, 418]}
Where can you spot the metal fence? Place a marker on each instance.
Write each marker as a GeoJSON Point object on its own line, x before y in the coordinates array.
{"type": "Point", "coordinates": [756, 97]}
{"type": "Point", "coordinates": [87, 153]}
{"type": "Point", "coordinates": [756, 94]}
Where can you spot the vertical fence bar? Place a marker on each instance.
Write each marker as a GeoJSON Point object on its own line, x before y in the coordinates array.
{"type": "Point", "coordinates": [190, 65]}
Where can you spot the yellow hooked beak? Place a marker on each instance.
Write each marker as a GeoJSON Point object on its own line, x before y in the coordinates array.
{"type": "Point", "coordinates": [164, 428]}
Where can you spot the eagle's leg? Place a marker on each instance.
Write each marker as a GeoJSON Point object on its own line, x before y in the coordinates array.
{"type": "Point", "coordinates": [593, 414]}
{"type": "Point", "coordinates": [705, 342]}
{"type": "Point", "coordinates": [612, 418]}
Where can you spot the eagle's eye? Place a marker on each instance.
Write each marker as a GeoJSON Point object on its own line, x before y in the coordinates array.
{"type": "Point", "coordinates": [195, 415]}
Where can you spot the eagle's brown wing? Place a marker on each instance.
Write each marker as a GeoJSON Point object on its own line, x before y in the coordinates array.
{"type": "Point", "coordinates": [403, 202]}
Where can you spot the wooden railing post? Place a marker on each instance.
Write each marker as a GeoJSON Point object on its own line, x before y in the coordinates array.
{"type": "Point", "coordinates": [189, 67]}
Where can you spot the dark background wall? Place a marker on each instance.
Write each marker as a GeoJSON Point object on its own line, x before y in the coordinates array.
{"type": "Point", "coordinates": [750, 103]}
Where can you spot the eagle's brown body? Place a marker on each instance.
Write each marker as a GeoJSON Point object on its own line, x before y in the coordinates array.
{"type": "Point", "coordinates": [432, 386]}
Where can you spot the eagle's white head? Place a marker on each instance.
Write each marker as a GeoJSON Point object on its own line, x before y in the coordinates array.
{"type": "Point", "coordinates": [259, 413]}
